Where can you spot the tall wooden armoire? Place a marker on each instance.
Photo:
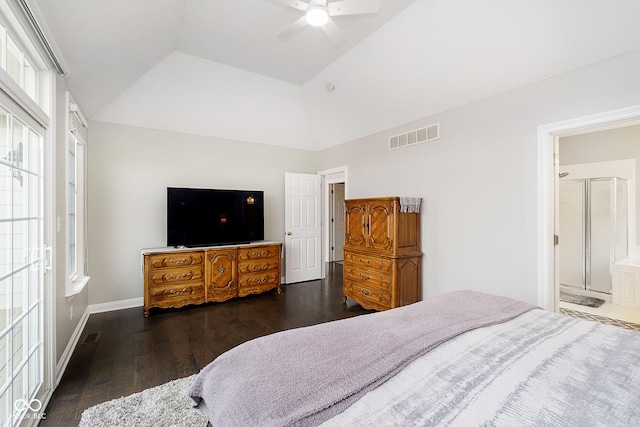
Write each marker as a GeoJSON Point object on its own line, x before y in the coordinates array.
{"type": "Point", "coordinates": [382, 257]}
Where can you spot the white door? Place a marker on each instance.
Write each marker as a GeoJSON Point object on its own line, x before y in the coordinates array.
{"type": "Point", "coordinates": [303, 229]}
{"type": "Point", "coordinates": [21, 267]}
{"type": "Point", "coordinates": [337, 222]}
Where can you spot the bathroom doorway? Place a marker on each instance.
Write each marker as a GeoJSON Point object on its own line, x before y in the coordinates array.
{"type": "Point", "coordinates": [597, 218]}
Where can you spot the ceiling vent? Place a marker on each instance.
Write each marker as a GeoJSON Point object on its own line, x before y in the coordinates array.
{"type": "Point", "coordinates": [415, 137]}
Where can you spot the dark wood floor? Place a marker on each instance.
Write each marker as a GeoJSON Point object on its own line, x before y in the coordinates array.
{"type": "Point", "coordinates": [122, 352]}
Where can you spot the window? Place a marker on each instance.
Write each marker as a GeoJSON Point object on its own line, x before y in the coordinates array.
{"type": "Point", "coordinates": [72, 196]}
{"type": "Point", "coordinates": [27, 357]}
{"type": "Point", "coordinates": [76, 231]}
{"type": "Point", "coordinates": [14, 61]}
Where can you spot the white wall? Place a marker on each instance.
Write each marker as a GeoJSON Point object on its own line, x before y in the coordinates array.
{"type": "Point", "coordinates": [479, 181]}
{"type": "Point", "coordinates": [129, 171]}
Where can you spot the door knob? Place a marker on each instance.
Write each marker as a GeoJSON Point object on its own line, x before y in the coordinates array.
{"type": "Point", "coordinates": [288, 233]}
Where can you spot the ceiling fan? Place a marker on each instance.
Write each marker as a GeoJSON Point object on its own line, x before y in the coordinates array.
{"type": "Point", "coordinates": [319, 13]}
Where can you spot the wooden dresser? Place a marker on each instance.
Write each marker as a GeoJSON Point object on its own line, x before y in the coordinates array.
{"type": "Point", "coordinates": [382, 257]}
{"type": "Point", "coordinates": [178, 277]}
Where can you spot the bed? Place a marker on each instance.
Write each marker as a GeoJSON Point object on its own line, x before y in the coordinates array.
{"type": "Point", "coordinates": [463, 358]}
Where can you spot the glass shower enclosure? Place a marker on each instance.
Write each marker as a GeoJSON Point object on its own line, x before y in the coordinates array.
{"type": "Point", "coordinates": [593, 231]}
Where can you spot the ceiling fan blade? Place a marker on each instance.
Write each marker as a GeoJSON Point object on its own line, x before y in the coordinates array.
{"type": "Point", "coordinates": [294, 28]}
{"type": "Point", "coordinates": [333, 33]}
{"type": "Point", "coordinates": [296, 4]}
{"type": "Point", "coordinates": [353, 7]}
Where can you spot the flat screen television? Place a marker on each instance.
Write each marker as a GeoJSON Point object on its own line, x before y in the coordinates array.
{"type": "Point", "coordinates": [209, 217]}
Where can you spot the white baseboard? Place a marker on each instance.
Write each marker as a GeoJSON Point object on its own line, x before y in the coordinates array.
{"type": "Point", "coordinates": [115, 305]}
{"type": "Point", "coordinates": [71, 346]}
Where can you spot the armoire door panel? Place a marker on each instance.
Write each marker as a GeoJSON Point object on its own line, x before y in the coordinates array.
{"type": "Point", "coordinates": [380, 225]}
{"type": "Point", "coordinates": [355, 223]}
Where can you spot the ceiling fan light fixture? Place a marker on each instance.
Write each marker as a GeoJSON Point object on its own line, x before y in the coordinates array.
{"type": "Point", "coordinates": [317, 15]}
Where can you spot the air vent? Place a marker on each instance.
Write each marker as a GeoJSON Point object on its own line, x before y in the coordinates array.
{"type": "Point", "coordinates": [415, 137]}
{"type": "Point", "coordinates": [93, 337]}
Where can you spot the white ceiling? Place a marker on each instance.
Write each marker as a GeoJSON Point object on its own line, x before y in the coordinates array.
{"type": "Point", "coordinates": [132, 60]}
{"type": "Point", "coordinates": [115, 42]}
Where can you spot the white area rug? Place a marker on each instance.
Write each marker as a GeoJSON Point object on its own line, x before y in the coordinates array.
{"type": "Point", "coordinates": [165, 405]}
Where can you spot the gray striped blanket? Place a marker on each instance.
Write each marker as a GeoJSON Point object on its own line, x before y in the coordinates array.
{"type": "Point", "coordinates": [540, 369]}
{"type": "Point", "coordinates": [306, 376]}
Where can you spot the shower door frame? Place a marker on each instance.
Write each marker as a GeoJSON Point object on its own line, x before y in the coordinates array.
{"type": "Point", "coordinates": [587, 283]}
{"type": "Point", "coordinates": [583, 232]}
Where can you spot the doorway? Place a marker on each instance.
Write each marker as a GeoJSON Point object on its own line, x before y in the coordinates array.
{"type": "Point", "coordinates": [597, 220]}
{"type": "Point", "coordinates": [336, 223]}
{"type": "Point", "coordinates": [307, 259]}
{"type": "Point", "coordinates": [25, 361]}
{"type": "Point", "coordinates": [548, 185]}
{"type": "Point", "coordinates": [330, 179]}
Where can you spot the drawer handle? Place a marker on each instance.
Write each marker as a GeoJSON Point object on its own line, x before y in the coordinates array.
{"type": "Point", "coordinates": [365, 277]}
{"type": "Point", "coordinates": [223, 270]}
{"type": "Point", "coordinates": [259, 267]}
{"type": "Point", "coordinates": [263, 253]}
{"type": "Point", "coordinates": [182, 276]}
{"type": "Point", "coordinates": [363, 292]}
{"type": "Point", "coordinates": [171, 291]}
{"type": "Point", "coordinates": [258, 280]}
{"type": "Point", "coordinates": [182, 261]}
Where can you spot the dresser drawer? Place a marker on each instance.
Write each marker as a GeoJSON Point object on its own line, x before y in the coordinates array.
{"type": "Point", "coordinates": [368, 297]}
{"type": "Point", "coordinates": [258, 282]}
{"type": "Point", "coordinates": [176, 275]}
{"type": "Point", "coordinates": [176, 260]}
{"type": "Point", "coordinates": [258, 253]}
{"type": "Point", "coordinates": [258, 265]}
{"type": "Point", "coordinates": [365, 261]}
{"type": "Point", "coordinates": [367, 277]}
{"type": "Point", "coordinates": [168, 295]}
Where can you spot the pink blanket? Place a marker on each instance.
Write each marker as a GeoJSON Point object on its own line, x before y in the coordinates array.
{"type": "Point", "coordinates": [305, 376]}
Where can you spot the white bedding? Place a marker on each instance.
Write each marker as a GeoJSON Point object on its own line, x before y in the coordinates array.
{"type": "Point", "coordinates": [540, 369]}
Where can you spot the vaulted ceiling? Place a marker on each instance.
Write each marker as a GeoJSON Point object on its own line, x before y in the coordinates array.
{"type": "Point", "coordinates": [115, 42]}
{"type": "Point", "coordinates": [413, 59]}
